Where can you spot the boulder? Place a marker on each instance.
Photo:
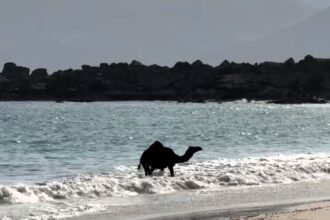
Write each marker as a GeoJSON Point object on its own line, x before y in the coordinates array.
{"type": "Point", "coordinates": [39, 75]}
{"type": "Point", "coordinates": [181, 66]}
{"type": "Point", "coordinates": [197, 63]}
{"type": "Point", "coordinates": [87, 68]}
{"type": "Point", "coordinates": [224, 64]}
{"type": "Point", "coordinates": [11, 71]}
{"type": "Point", "coordinates": [136, 63]}
{"type": "Point", "coordinates": [289, 62]}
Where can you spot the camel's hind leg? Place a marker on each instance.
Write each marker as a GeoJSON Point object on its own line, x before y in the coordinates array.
{"type": "Point", "coordinates": [147, 170]}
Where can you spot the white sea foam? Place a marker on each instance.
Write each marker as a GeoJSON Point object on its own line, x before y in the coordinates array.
{"type": "Point", "coordinates": [195, 175]}
{"type": "Point", "coordinates": [53, 212]}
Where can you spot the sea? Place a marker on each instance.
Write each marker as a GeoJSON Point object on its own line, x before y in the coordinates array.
{"type": "Point", "coordinates": [79, 160]}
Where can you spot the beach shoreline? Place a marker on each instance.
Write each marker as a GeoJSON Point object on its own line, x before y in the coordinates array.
{"type": "Point", "coordinates": [247, 203]}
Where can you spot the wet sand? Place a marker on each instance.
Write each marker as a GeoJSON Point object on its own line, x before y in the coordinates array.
{"type": "Point", "coordinates": [314, 211]}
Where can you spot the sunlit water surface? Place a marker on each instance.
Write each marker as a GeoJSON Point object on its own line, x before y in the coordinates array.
{"type": "Point", "coordinates": [67, 159]}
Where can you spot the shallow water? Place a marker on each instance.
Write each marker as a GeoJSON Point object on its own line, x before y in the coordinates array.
{"type": "Point", "coordinates": [61, 152]}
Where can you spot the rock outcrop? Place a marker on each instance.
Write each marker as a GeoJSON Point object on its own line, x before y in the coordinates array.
{"type": "Point", "coordinates": [307, 80]}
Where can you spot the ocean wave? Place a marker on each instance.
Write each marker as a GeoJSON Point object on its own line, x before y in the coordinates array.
{"type": "Point", "coordinates": [214, 174]}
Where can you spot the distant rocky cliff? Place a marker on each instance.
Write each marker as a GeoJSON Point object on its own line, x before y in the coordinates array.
{"type": "Point", "coordinates": [305, 81]}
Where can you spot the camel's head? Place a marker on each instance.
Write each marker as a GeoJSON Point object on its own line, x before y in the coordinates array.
{"type": "Point", "coordinates": [194, 149]}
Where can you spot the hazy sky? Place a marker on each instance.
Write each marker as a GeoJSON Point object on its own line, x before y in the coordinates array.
{"type": "Point", "coordinates": [317, 3]}
{"type": "Point", "coordinates": [59, 34]}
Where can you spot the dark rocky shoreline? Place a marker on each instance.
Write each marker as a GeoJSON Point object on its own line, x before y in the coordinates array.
{"type": "Point", "coordinates": [307, 81]}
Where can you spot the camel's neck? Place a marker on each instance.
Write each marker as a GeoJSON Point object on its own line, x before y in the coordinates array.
{"type": "Point", "coordinates": [185, 157]}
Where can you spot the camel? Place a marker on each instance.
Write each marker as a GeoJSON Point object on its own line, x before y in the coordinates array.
{"type": "Point", "coordinates": [157, 156]}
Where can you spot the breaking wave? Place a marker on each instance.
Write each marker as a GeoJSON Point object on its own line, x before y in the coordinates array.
{"type": "Point", "coordinates": [214, 174]}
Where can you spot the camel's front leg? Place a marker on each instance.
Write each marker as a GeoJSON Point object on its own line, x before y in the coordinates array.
{"type": "Point", "coordinates": [171, 170]}
{"type": "Point", "coordinates": [152, 170]}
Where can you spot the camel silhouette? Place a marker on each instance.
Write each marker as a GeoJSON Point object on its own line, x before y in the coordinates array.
{"type": "Point", "coordinates": [157, 156]}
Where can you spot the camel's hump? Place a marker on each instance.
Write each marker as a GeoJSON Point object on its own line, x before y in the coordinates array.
{"type": "Point", "coordinates": [156, 144]}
